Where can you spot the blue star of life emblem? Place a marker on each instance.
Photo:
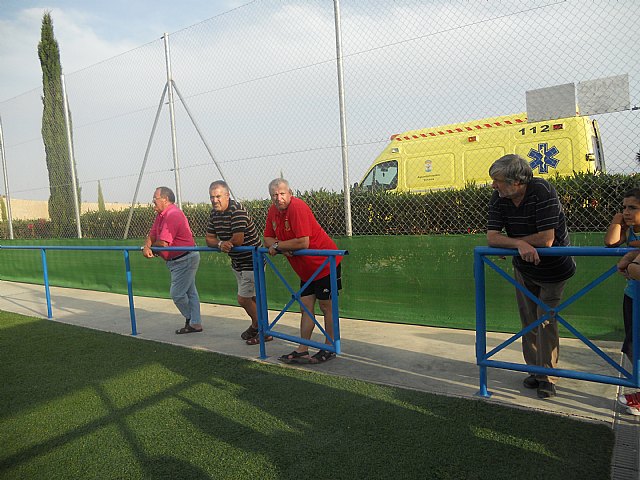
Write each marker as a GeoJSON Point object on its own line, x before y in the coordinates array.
{"type": "Point", "coordinates": [543, 158]}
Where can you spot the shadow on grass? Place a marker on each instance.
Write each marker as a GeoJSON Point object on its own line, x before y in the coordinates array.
{"type": "Point", "coordinates": [374, 360]}
{"type": "Point", "coordinates": [84, 404]}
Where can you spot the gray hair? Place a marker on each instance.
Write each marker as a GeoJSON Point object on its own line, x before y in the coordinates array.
{"type": "Point", "coordinates": [276, 182]}
{"type": "Point", "coordinates": [219, 183]}
{"type": "Point", "coordinates": [513, 168]}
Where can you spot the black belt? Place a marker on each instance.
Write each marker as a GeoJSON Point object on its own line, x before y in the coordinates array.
{"type": "Point", "coordinates": [179, 256]}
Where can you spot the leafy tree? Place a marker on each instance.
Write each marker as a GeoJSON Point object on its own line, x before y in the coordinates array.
{"type": "Point", "coordinates": [3, 209]}
{"type": "Point", "coordinates": [101, 207]}
{"type": "Point", "coordinates": [61, 204]}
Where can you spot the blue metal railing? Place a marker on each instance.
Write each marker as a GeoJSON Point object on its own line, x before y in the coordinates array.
{"type": "Point", "coordinates": [260, 258]}
{"type": "Point", "coordinates": [483, 358]}
{"type": "Point", "coordinates": [127, 264]}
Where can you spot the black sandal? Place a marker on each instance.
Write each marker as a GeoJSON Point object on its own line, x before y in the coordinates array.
{"type": "Point", "coordinates": [296, 357]}
{"type": "Point", "coordinates": [322, 356]}
{"type": "Point", "coordinates": [187, 329]}
{"type": "Point", "coordinates": [256, 340]}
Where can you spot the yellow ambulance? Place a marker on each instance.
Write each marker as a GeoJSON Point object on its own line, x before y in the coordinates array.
{"type": "Point", "coordinates": [453, 156]}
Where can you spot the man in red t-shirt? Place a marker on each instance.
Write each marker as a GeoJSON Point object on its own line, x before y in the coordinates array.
{"type": "Point", "coordinates": [171, 229]}
{"type": "Point", "coordinates": [292, 226]}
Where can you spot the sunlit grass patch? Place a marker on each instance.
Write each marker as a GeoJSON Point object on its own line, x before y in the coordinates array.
{"type": "Point", "coordinates": [80, 403]}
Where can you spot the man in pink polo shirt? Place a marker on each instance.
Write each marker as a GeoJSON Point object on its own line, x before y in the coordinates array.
{"type": "Point", "coordinates": [171, 229]}
{"type": "Point", "coordinates": [292, 226]}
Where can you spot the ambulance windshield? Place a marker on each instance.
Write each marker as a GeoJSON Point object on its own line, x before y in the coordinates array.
{"type": "Point", "coordinates": [383, 176]}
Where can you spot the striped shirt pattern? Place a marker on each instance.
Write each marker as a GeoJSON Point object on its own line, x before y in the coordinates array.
{"type": "Point", "coordinates": [233, 220]}
{"type": "Point", "coordinates": [539, 210]}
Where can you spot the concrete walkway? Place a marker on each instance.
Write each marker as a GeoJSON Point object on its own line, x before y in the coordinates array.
{"type": "Point", "coordinates": [435, 360]}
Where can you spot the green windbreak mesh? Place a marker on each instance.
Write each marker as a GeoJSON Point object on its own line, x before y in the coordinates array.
{"type": "Point", "coordinates": [424, 280]}
{"type": "Point", "coordinates": [428, 280]}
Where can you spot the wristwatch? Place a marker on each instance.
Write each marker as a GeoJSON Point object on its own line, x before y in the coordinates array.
{"type": "Point", "coordinates": [275, 246]}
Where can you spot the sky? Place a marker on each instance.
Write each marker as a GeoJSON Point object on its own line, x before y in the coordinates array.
{"type": "Point", "coordinates": [261, 82]}
{"type": "Point", "coordinates": [88, 31]}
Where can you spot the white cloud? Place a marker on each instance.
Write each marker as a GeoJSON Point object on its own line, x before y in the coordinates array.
{"type": "Point", "coordinates": [88, 32]}
{"type": "Point", "coordinates": [79, 47]}
{"type": "Point", "coordinates": [19, 55]}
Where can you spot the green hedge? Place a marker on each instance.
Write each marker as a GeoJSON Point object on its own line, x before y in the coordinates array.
{"type": "Point", "coordinates": [589, 202]}
{"type": "Point", "coordinates": [403, 270]}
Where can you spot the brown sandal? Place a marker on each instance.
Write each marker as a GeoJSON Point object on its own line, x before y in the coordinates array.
{"type": "Point", "coordinates": [249, 333]}
{"type": "Point", "coordinates": [256, 340]}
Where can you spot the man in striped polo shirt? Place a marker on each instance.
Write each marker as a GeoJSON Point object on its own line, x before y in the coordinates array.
{"type": "Point", "coordinates": [231, 226]}
{"type": "Point", "coordinates": [528, 210]}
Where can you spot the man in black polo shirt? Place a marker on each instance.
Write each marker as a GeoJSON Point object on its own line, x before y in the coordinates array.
{"type": "Point", "coordinates": [231, 226]}
{"type": "Point", "coordinates": [529, 211]}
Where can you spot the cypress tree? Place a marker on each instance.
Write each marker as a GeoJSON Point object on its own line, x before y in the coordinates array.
{"type": "Point", "coordinates": [101, 207]}
{"type": "Point", "coordinates": [54, 134]}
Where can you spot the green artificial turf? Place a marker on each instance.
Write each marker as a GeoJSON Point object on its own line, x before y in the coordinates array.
{"type": "Point", "coordinates": [83, 404]}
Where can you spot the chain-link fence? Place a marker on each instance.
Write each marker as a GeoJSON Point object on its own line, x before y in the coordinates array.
{"type": "Point", "coordinates": [256, 97]}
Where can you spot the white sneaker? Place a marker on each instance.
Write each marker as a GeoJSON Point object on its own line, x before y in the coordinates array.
{"type": "Point", "coordinates": [633, 411]}
{"type": "Point", "coordinates": [631, 401]}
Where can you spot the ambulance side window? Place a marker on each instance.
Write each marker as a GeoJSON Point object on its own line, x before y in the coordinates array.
{"type": "Point", "coordinates": [383, 176]}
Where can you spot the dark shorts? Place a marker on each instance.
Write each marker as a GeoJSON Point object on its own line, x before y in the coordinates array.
{"type": "Point", "coordinates": [321, 287]}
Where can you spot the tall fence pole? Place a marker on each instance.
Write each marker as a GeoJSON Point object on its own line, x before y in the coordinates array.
{"type": "Point", "coordinates": [72, 164]}
{"type": "Point", "coordinates": [343, 122]}
{"type": "Point", "coordinates": [172, 116]}
{"type": "Point", "coordinates": [6, 182]}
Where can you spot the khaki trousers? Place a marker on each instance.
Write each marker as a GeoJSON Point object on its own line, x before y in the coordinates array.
{"type": "Point", "coordinates": [541, 346]}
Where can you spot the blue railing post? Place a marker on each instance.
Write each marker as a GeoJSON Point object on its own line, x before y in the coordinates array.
{"type": "Point", "coordinates": [334, 302]}
{"type": "Point", "coordinates": [481, 322]}
{"type": "Point", "coordinates": [132, 310]}
{"type": "Point", "coordinates": [261, 299]}
{"type": "Point", "coordinates": [635, 332]}
{"type": "Point", "coordinates": [47, 292]}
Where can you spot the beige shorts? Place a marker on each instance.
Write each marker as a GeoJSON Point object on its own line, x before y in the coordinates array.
{"type": "Point", "coordinates": [246, 284]}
